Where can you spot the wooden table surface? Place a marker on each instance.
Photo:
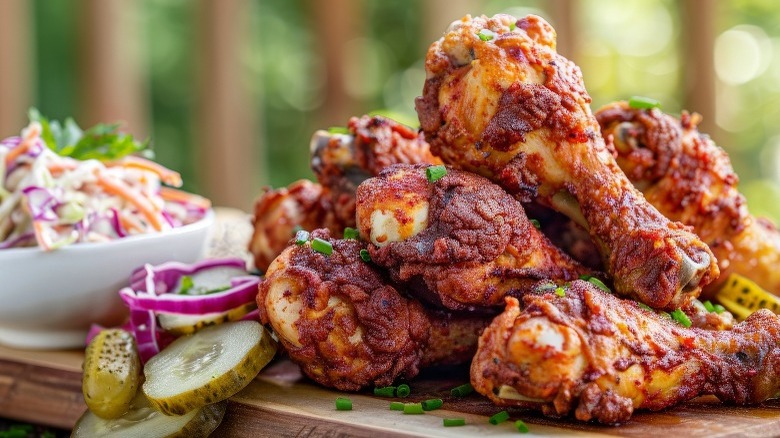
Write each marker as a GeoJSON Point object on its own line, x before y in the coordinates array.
{"type": "Point", "coordinates": [44, 387]}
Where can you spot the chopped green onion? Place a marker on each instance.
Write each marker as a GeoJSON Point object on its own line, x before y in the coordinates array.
{"type": "Point", "coordinates": [452, 422]}
{"type": "Point", "coordinates": [666, 314]}
{"type": "Point", "coordinates": [499, 417]}
{"type": "Point", "coordinates": [645, 306]}
{"type": "Point", "coordinates": [521, 426]}
{"type": "Point", "coordinates": [719, 309]}
{"type": "Point", "coordinates": [486, 34]}
{"type": "Point", "coordinates": [403, 390]}
{"type": "Point", "coordinates": [536, 223]}
{"type": "Point", "coordinates": [560, 292]}
{"type": "Point", "coordinates": [351, 233]}
{"type": "Point", "coordinates": [462, 390]}
{"type": "Point", "coordinates": [435, 173]}
{"type": "Point", "coordinates": [680, 316]}
{"type": "Point", "coordinates": [322, 246]}
{"type": "Point", "coordinates": [513, 26]}
{"type": "Point", "coordinates": [396, 406]}
{"type": "Point", "coordinates": [708, 305]}
{"type": "Point", "coordinates": [365, 255]}
{"type": "Point", "coordinates": [343, 404]}
{"type": "Point", "coordinates": [301, 237]}
{"type": "Point", "coordinates": [641, 102]}
{"type": "Point", "coordinates": [596, 282]}
{"type": "Point", "coordinates": [387, 391]}
{"type": "Point", "coordinates": [339, 130]}
{"type": "Point", "coordinates": [432, 404]}
{"type": "Point", "coordinates": [413, 408]}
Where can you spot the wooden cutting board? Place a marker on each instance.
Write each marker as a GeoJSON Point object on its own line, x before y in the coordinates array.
{"type": "Point", "coordinates": [45, 387]}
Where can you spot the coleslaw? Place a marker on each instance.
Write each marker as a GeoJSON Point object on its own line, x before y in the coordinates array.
{"type": "Point", "coordinates": [61, 185]}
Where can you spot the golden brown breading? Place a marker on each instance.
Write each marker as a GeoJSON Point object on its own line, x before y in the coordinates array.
{"type": "Point", "coordinates": [460, 241]}
{"type": "Point", "coordinates": [280, 212]}
{"type": "Point", "coordinates": [340, 162]}
{"type": "Point", "coordinates": [339, 318]}
{"type": "Point", "coordinates": [688, 178]}
{"type": "Point", "coordinates": [600, 357]}
{"type": "Point", "coordinates": [506, 105]}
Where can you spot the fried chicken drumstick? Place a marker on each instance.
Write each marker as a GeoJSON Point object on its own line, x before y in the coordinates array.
{"type": "Point", "coordinates": [602, 357]}
{"type": "Point", "coordinates": [461, 241]}
{"type": "Point", "coordinates": [340, 162]}
{"type": "Point", "coordinates": [687, 177]}
{"type": "Point", "coordinates": [498, 100]}
{"type": "Point", "coordinates": [340, 319]}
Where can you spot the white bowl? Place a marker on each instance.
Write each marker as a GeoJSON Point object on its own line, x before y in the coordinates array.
{"type": "Point", "coordinates": [48, 300]}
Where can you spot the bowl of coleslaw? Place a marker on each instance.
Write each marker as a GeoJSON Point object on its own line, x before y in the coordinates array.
{"type": "Point", "coordinates": [79, 211]}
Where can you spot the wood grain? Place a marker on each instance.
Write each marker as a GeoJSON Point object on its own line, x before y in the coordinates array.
{"type": "Point", "coordinates": [44, 387]}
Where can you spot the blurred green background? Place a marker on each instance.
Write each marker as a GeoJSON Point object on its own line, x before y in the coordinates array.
{"type": "Point", "coordinates": [230, 91]}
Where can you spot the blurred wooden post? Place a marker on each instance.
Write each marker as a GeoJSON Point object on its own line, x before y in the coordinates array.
{"type": "Point", "coordinates": [112, 79]}
{"type": "Point", "coordinates": [336, 23]}
{"type": "Point", "coordinates": [438, 14]}
{"type": "Point", "coordinates": [563, 17]}
{"type": "Point", "coordinates": [227, 162]}
{"type": "Point", "coordinates": [15, 65]}
{"type": "Point", "coordinates": [697, 33]}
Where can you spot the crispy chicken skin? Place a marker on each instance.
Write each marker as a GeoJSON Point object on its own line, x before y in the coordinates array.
{"type": "Point", "coordinates": [504, 104]}
{"type": "Point", "coordinates": [461, 241]}
{"type": "Point", "coordinates": [279, 212]}
{"type": "Point", "coordinates": [601, 357]}
{"type": "Point", "coordinates": [688, 178]}
{"type": "Point", "coordinates": [347, 327]}
{"type": "Point", "coordinates": [340, 162]}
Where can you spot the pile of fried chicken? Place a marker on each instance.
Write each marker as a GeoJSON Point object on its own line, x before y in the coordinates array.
{"type": "Point", "coordinates": [520, 232]}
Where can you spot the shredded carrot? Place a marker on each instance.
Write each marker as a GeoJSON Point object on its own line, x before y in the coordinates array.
{"type": "Point", "coordinates": [130, 223]}
{"type": "Point", "coordinates": [33, 131]}
{"type": "Point", "coordinates": [59, 167]}
{"type": "Point", "coordinates": [116, 187]}
{"type": "Point", "coordinates": [169, 177]}
{"type": "Point", "coordinates": [170, 194]}
{"type": "Point", "coordinates": [40, 236]}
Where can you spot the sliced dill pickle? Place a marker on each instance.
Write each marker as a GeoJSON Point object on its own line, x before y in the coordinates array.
{"type": "Point", "coordinates": [142, 420]}
{"type": "Point", "coordinates": [112, 370]}
{"type": "Point", "coordinates": [742, 296]}
{"type": "Point", "coordinates": [178, 324]}
{"type": "Point", "coordinates": [208, 366]}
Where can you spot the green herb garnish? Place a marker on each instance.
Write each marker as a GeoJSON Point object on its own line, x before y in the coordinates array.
{"type": "Point", "coordinates": [351, 233]}
{"type": "Point", "coordinates": [641, 102]}
{"type": "Point", "coordinates": [435, 173]}
{"type": "Point", "coordinates": [680, 316]}
{"type": "Point", "coordinates": [343, 404]}
{"type": "Point", "coordinates": [486, 34]}
{"type": "Point", "coordinates": [101, 142]}
{"type": "Point", "coordinates": [499, 417]}
{"type": "Point", "coordinates": [452, 422]}
{"type": "Point", "coordinates": [322, 246]}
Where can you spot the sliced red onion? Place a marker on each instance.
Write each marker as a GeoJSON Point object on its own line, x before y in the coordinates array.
{"type": "Point", "coordinates": [242, 290]}
{"type": "Point", "coordinates": [11, 142]}
{"type": "Point", "coordinates": [165, 277]}
{"type": "Point", "coordinates": [115, 223]}
{"type": "Point", "coordinates": [42, 203]}
{"type": "Point", "coordinates": [152, 290]}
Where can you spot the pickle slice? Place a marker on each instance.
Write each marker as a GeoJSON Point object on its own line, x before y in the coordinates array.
{"type": "Point", "coordinates": [112, 370]}
{"type": "Point", "coordinates": [208, 366]}
{"type": "Point", "coordinates": [178, 324]}
{"type": "Point", "coordinates": [142, 420]}
{"type": "Point", "coordinates": [741, 296]}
